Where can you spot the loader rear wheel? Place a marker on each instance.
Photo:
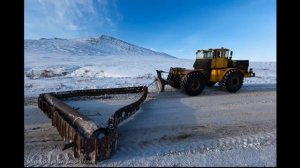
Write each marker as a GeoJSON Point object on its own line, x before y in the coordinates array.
{"type": "Point", "coordinates": [210, 84]}
{"type": "Point", "coordinates": [193, 83]}
{"type": "Point", "coordinates": [232, 80]}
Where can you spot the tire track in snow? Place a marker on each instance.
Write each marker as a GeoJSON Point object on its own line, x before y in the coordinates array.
{"type": "Point", "coordinates": [54, 157]}
{"type": "Point", "coordinates": [166, 148]}
{"type": "Point", "coordinates": [49, 153]}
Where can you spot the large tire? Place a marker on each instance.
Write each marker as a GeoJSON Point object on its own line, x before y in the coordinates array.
{"type": "Point", "coordinates": [193, 83]}
{"type": "Point", "coordinates": [232, 80]}
{"type": "Point", "coordinates": [176, 82]}
{"type": "Point", "coordinates": [210, 84]}
{"type": "Point", "coordinates": [175, 79]}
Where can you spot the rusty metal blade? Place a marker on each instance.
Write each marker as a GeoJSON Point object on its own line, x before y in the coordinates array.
{"type": "Point", "coordinates": [89, 141]}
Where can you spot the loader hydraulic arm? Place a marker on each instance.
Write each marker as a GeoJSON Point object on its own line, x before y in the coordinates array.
{"type": "Point", "coordinates": [160, 81]}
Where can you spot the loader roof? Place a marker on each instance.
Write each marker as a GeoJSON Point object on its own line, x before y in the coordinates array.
{"type": "Point", "coordinates": [211, 50]}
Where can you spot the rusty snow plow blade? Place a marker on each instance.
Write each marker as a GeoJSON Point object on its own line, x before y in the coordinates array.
{"type": "Point", "coordinates": [90, 141]}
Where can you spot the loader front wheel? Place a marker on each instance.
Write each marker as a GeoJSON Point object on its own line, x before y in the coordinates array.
{"type": "Point", "coordinates": [193, 83]}
{"type": "Point", "coordinates": [175, 80]}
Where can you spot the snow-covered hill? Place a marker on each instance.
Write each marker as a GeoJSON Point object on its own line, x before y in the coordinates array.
{"type": "Point", "coordinates": [92, 46]}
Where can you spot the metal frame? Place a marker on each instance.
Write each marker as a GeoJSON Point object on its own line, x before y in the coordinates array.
{"type": "Point", "coordinates": [90, 142]}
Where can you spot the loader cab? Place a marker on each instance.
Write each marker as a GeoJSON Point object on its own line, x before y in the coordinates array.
{"type": "Point", "coordinates": [203, 59]}
{"type": "Point", "coordinates": [212, 58]}
{"type": "Point", "coordinates": [204, 54]}
{"type": "Point", "coordinates": [213, 53]}
{"type": "Point", "coordinates": [221, 53]}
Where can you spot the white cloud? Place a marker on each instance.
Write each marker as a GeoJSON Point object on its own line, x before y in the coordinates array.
{"type": "Point", "coordinates": [67, 18]}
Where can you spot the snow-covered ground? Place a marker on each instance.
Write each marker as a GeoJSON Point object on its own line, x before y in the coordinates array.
{"type": "Point", "coordinates": [58, 73]}
{"type": "Point", "coordinates": [103, 62]}
{"type": "Point", "coordinates": [172, 129]}
{"type": "Point", "coordinates": [215, 128]}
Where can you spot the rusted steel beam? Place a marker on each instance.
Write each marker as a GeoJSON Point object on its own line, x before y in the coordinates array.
{"type": "Point", "coordinates": [73, 117]}
{"type": "Point", "coordinates": [89, 141]}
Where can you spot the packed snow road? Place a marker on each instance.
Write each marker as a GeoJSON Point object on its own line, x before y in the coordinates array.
{"type": "Point", "coordinates": [216, 128]}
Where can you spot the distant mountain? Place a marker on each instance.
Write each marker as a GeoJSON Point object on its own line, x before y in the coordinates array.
{"type": "Point", "coordinates": [93, 46]}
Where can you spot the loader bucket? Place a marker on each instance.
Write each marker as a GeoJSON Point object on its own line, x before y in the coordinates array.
{"type": "Point", "coordinates": [160, 82]}
{"type": "Point", "coordinates": [90, 142]}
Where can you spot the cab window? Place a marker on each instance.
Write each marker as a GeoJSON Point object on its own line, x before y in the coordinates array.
{"type": "Point", "coordinates": [200, 55]}
{"type": "Point", "coordinates": [208, 55]}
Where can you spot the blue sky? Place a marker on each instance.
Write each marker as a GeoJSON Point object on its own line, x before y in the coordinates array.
{"type": "Point", "coordinates": [177, 27]}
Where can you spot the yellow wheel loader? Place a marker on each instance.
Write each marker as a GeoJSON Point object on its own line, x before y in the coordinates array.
{"type": "Point", "coordinates": [211, 66]}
